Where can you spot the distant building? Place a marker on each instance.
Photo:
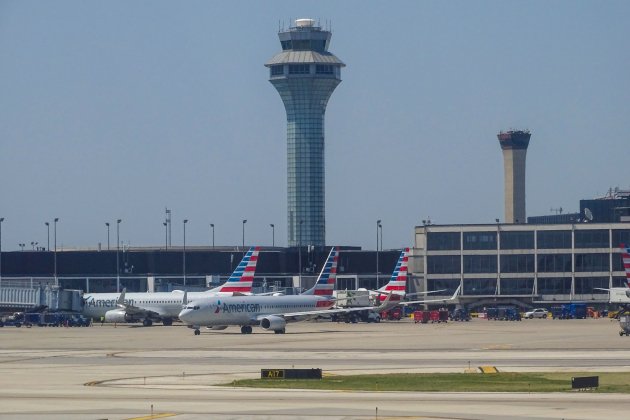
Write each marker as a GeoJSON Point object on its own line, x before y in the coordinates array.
{"type": "Point", "coordinates": [305, 74]}
{"type": "Point", "coordinates": [520, 263]}
{"type": "Point", "coordinates": [613, 207]}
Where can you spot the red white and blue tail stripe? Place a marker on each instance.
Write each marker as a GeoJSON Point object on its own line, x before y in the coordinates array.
{"type": "Point", "coordinates": [625, 255]}
{"type": "Point", "coordinates": [397, 285]}
{"type": "Point", "coordinates": [326, 281]}
{"type": "Point", "coordinates": [242, 278]}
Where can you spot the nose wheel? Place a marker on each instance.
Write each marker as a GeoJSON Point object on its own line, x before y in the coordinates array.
{"type": "Point", "coordinates": [246, 329]}
{"type": "Point", "coordinates": [197, 332]}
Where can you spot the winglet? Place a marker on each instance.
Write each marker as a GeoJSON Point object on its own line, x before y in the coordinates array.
{"type": "Point", "coordinates": [185, 298]}
{"type": "Point", "coordinates": [121, 299]}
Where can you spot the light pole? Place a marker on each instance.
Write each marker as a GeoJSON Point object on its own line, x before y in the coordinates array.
{"type": "Point", "coordinates": [165, 235]}
{"type": "Point", "coordinates": [378, 224]}
{"type": "Point", "coordinates": [184, 255]}
{"type": "Point", "coordinates": [380, 227]}
{"type": "Point", "coordinates": [55, 241]}
{"type": "Point", "coordinates": [244, 221]}
{"type": "Point", "coordinates": [47, 236]}
{"type": "Point", "coordinates": [212, 226]}
{"type": "Point", "coordinates": [1, 220]}
{"type": "Point", "coordinates": [117, 254]}
{"type": "Point", "coordinates": [300, 253]}
{"type": "Point", "coordinates": [33, 243]}
{"type": "Point", "coordinates": [273, 234]}
{"type": "Point", "coordinates": [107, 224]}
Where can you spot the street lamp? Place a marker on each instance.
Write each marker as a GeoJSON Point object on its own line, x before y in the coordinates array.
{"type": "Point", "coordinates": [117, 256]}
{"type": "Point", "coordinates": [244, 221]}
{"type": "Point", "coordinates": [107, 224]}
{"type": "Point", "coordinates": [378, 224]}
{"type": "Point", "coordinates": [55, 240]}
{"type": "Point", "coordinates": [22, 246]}
{"type": "Point", "coordinates": [212, 226]}
{"type": "Point", "coordinates": [184, 255]}
{"type": "Point", "coordinates": [273, 234]}
{"type": "Point", "coordinates": [165, 235]}
{"type": "Point", "coordinates": [300, 252]}
{"type": "Point", "coordinates": [1, 220]}
{"type": "Point", "coordinates": [33, 243]}
{"type": "Point", "coordinates": [47, 235]}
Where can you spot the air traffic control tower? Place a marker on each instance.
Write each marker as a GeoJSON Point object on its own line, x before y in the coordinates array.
{"type": "Point", "coordinates": [514, 145]}
{"type": "Point", "coordinates": [305, 75]}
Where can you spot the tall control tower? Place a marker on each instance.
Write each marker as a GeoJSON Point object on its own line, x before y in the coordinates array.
{"type": "Point", "coordinates": [514, 145]}
{"type": "Point", "coordinates": [305, 75]}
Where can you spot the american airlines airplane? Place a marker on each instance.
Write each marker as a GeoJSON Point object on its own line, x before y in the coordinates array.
{"type": "Point", "coordinates": [164, 306]}
{"type": "Point", "coordinates": [272, 312]}
{"type": "Point", "coordinates": [621, 295]}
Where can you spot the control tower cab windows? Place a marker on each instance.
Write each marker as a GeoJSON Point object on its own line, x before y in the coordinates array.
{"type": "Point", "coordinates": [277, 70]}
{"type": "Point", "coordinates": [299, 69]}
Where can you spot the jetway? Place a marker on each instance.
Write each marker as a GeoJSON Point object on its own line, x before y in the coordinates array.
{"type": "Point", "coordinates": [54, 298]}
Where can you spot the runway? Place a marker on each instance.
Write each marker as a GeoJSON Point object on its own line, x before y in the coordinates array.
{"type": "Point", "coordinates": [119, 373]}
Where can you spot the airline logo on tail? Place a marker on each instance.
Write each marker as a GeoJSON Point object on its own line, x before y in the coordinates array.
{"type": "Point", "coordinates": [242, 278]}
{"type": "Point", "coordinates": [326, 281]}
{"type": "Point", "coordinates": [625, 255]}
{"type": "Point", "coordinates": [397, 285]}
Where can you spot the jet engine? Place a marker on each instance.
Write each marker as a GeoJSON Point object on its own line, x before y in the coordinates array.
{"type": "Point", "coordinates": [272, 322]}
{"type": "Point", "coordinates": [116, 315]}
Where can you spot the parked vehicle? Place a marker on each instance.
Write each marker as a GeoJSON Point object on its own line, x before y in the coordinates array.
{"type": "Point", "coordinates": [394, 314]}
{"type": "Point", "coordinates": [570, 311]}
{"type": "Point", "coordinates": [537, 313]}
{"type": "Point", "coordinates": [460, 314]}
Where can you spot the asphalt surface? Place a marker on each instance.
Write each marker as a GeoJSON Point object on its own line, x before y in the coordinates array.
{"type": "Point", "coordinates": [124, 372]}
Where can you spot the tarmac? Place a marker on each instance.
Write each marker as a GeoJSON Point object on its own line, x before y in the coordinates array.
{"type": "Point", "coordinates": [134, 372]}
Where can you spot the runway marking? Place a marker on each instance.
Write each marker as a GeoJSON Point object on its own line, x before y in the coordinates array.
{"type": "Point", "coordinates": [153, 416]}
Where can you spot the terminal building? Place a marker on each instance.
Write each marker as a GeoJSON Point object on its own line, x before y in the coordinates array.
{"type": "Point", "coordinates": [521, 264]}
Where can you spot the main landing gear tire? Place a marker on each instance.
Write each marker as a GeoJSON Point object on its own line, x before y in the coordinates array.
{"type": "Point", "coordinates": [246, 329]}
{"type": "Point", "coordinates": [167, 322]}
{"type": "Point", "coordinates": [282, 331]}
{"type": "Point", "coordinates": [197, 332]}
{"type": "Point", "coordinates": [147, 322]}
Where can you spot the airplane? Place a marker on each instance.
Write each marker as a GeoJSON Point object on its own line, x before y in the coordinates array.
{"type": "Point", "coordinates": [395, 289]}
{"type": "Point", "coordinates": [272, 312]}
{"type": "Point", "coordinates": [165, 306]}
{"type": "Point", "coordinates": [621, 295]}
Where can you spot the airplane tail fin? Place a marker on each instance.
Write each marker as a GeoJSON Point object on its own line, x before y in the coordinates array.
{"type": "Point", "coordinates": [326, 281]}
{"type": "Point", "coordinates": [397, 284]}
{"type": "Point", "coordinates": [242, 278]}
{"type": "Point", "coordinates": [625, 255]}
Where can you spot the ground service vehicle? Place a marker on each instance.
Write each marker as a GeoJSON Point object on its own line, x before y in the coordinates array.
{"type": "Point", "coordinates": [537, 313]}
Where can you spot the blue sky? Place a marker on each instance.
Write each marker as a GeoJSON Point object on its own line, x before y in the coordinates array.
{"type": "Point", "coordinates": [119, 109]}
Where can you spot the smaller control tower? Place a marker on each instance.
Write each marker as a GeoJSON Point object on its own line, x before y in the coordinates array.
{"type": "Point", "coordinates": [514, 145]}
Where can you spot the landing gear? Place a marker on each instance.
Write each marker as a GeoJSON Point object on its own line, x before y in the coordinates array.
{"type": "Point", "coordinates": [246, 329]}
{"type": "Point", "coordinates": [147, 322]}
{"type": "Point", "coordinates": [282, 331]}
{"type": "Point", "coordinates": [197, 332]}
{"type": "Point", "coordinates": [167, 322]}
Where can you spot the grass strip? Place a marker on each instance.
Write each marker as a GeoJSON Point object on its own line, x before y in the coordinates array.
{"type": "Point", "coordinates": [448, 382]}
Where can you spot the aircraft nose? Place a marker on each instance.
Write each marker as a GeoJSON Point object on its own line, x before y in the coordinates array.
{"type": "Point", "coordinates": [185, 315]}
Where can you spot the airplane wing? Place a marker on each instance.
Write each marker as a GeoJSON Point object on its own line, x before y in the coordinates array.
{"type": "Point", "coordinates": [135, 310]}
{"type": "Point", "coordinates": [412, 302]}
{"type": "Point", "coordinates": [302, 315]}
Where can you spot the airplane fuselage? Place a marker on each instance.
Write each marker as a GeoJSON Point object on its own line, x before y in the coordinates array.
{"type": "Point", "coordinates": [247, 310]}
{"type": "Point", "coordinates": [168, 305]}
